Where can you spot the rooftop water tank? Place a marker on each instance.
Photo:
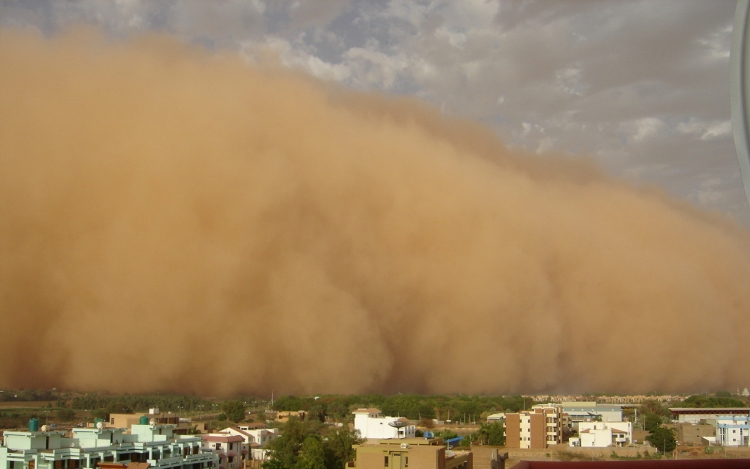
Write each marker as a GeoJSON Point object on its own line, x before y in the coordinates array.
{"type": "Point", "coordinates": [143, 420]}
{"type": "Point", "coordinates": [34, 425]}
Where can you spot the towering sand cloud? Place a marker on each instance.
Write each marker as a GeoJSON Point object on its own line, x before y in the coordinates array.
{"type": "Point", "coordinates": [172, 219]}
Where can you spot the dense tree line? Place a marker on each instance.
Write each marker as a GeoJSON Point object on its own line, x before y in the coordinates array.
{"type": "Point", "coordinates": [718, 400]}
{"type": "Point", "coordinates": [141, 403]}
{"type": "Point", "coordinates": [27, 395]}
{"type": "Point", "coordinates": [411, 406]}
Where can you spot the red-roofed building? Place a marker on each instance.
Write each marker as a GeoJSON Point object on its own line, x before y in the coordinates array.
{"type": "Point", "coordinates": [231, 449]}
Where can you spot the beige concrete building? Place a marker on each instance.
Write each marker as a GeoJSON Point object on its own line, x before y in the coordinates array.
{"type": "Point", "coordinates": [182, 426]}
{"type": "Point", "coordinates": [416, 453]}
{"type": "Point", "coordinates": [691, 434]}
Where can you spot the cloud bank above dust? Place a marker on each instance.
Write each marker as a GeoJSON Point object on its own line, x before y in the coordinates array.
{"type": "Point", "coordinates": [176, 220]}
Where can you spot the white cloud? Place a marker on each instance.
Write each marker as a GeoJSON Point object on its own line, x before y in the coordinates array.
{"type": "Point", "coordinates": [295, 57]}
{"type": "Point", "coordinates": [372, 68]}
{"type": "Point", "coordinates": [641, 85]}
{"type": "Point", "coordinates": [705, 130]}
{"type": "Point", "coordinates": [569, 79]}
{"type": "Point", "coordinates": [640, 129]}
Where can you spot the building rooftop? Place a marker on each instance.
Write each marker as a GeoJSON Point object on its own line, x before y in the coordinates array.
{"type": "Point", "coordinates": [223, 438]}
{"type": "Point", "coordinates": [369, 410]}
{"type": "Point", "coordinates": [710, 410]}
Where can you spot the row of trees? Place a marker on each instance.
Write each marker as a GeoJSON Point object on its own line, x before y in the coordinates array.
{"type": "Point", "coordinates": [411, 406]}
{"type": "Point", "coordinates": [26, 395]}
{"type": "Point", "coordinates": [720, 399]}
{"type": "Point", "coordinates": [138, 403]}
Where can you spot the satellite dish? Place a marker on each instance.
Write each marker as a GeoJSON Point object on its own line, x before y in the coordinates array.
{"type": "Point", "coordinates": [99, 424]}
{"type": "Point", "coordinates": [152, 422]}
{"type": "Point", "coordinates": [398, 425]}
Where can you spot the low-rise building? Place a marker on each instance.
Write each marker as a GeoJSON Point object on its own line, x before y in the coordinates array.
{"type": "Point", "coordinates": [498, 417]}
{"type": "Point", "coordinates": [695, 415]}
{"type": "Point", "coordinates": [182, 426]}
{"type": "Point", "coordinates": [152, 444]}
{"type": "Point", "coordinates": [418, 453]}
{"type": "Point", "coordinates": [372, 424]}
{"type": "Point", "coordinates": [231, 449]}
{"type": "Point", "coordinates": [284, 415]}
{"type": "Point", "coordinates": [603, 434]}
{"type": "Point", "coordinates": [591, 412]}
{"type": "Point", "coordinates": [261, 436]}
{"type": "Point", "coordinates": [693, 434]}
{"type": "Point", "coordinates": [255, 438]}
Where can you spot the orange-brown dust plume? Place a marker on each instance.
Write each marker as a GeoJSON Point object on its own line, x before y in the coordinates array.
{"type": "Point", "coordinates": [172, 219]}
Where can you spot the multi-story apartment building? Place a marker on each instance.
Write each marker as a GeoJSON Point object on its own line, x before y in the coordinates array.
{"type": "Point", "coordinates": [152, 444]}
{"type": "Point", "coordinates": [537, 428]}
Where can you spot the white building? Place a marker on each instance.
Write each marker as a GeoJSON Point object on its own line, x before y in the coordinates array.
{"type": "Point", "coordinates": [231, 449]}
{"type": "Point", "coordinates": [371, 424]}
{"type": "Point", "coordinates": [152, 446]}
{"type": "Point", "coordinates": [603, 434]}
{"type": "Point", "coordinates": [254, 437]}
{"type": "Point", "coordinates": [262, 436]}
{"type": "Point", "coordinates": [733, 430]}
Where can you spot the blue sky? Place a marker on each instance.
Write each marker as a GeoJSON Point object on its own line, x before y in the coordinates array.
{"type": "Point", "coordinates": [639, 86]}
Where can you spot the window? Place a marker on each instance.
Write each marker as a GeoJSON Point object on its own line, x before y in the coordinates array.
{"type": "Point", "coordinates": [218, 445]}
{"type": "Point", "coordinates": [407, 461]}
{"type": "Point", "coordinates": [386, 461]}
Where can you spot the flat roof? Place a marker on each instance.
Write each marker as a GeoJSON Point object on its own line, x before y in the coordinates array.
{"type": "Point", "coordinates": [710, 410]}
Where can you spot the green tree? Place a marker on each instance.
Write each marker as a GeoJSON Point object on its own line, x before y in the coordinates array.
{"type": "Point", "coordinates": [312, 454]}
{"type": "Point", "coordinates": [235, 410]}
{"type": "Point", "coordinates": [721, 400]}
{"type": "Point", "coordinates": [284, 450]}
{"type": "Point", "coordinates": [339, 447]}
{"type": "Point", "coordinates": [316, 412]}
{"type": "Point", "coordinates": [496, 434]}
{"type": "Point", "coordinates": [662, 439]}
{"type": "Point", "coordinates": [338, 410]}
{"type": "Point", "coordinates": [651, 422]}
{"type": "Point", "coordinates": [652, 406]}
